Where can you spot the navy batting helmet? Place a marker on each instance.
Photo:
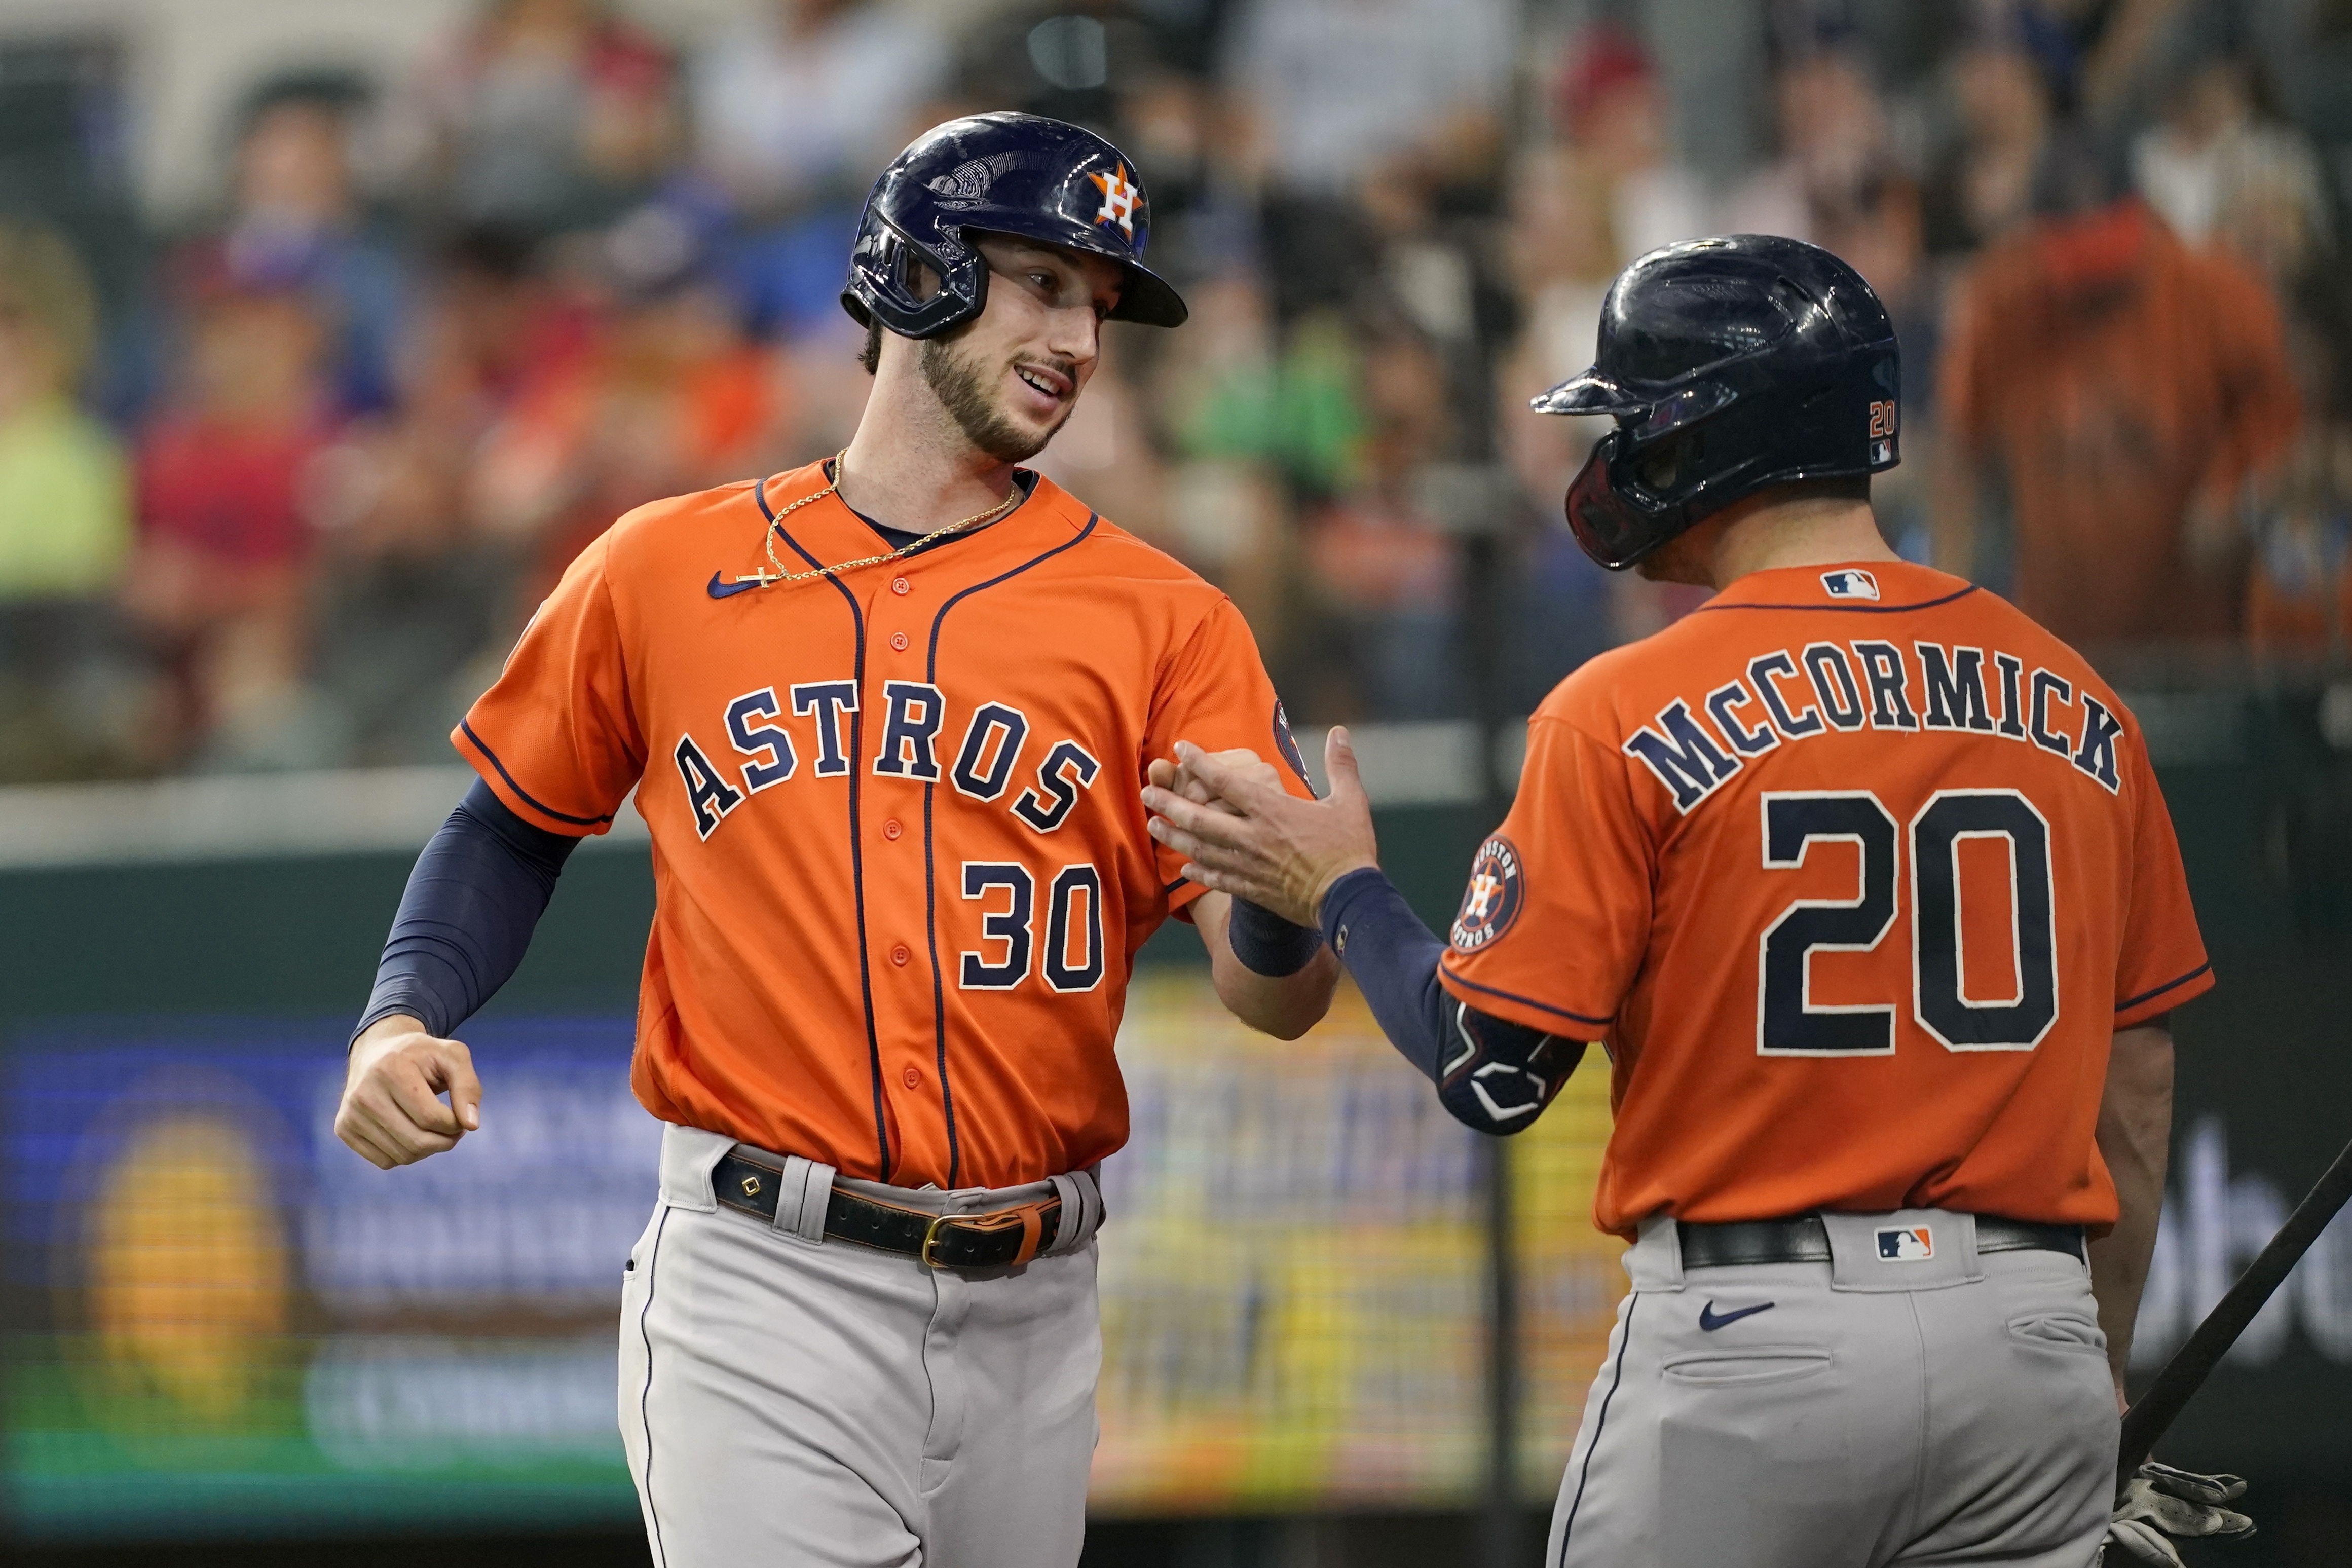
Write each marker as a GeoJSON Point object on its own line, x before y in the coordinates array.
{"type": "Point", "coordinates": [1014, 174]}
{"type": "Point", "coordinates": [1730, 364]}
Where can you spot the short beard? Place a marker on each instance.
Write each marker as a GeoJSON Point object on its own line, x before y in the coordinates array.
{"type": "Point", "coordinates": [960, 384]}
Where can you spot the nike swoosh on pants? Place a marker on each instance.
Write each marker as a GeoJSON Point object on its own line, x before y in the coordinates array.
{"type": "Point", "coordinates": [1709, 1319]}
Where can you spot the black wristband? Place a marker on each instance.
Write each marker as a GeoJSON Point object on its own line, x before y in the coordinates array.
{"type": "Point", "coordinates": [1269, 945]}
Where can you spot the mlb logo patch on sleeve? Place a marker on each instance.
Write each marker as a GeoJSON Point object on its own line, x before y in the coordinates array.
{"type": "Point", "coordinates": [1851, 583]}
{"type": "Point", "coordinates": [1906, 1243]}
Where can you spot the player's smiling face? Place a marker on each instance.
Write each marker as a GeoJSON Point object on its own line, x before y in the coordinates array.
{"type": "Point", "coordinates": [1011, 375]}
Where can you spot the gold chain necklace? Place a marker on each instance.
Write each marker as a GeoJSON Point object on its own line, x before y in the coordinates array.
{"type": "Point", "coordinates": [831, 486]}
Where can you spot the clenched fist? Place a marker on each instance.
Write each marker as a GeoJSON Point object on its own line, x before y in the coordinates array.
{"type": "Point", "coordinates": [392, 1112]}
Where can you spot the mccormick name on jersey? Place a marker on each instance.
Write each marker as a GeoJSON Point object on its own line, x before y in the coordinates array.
{"type": "Point", "coordinates": [1791, 695]}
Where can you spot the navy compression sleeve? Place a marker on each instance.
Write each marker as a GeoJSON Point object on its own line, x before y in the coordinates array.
{"type": "Point", "coordinates": [1393, 958]}
{"type": "Point", "coordinates": [472, 903]}
{"type": "Point", "coordinates": [1491, 1073]}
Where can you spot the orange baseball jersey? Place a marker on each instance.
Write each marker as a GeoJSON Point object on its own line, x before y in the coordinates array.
{"type": "Point", "coordinates": [1857, 871]}
{"type": "Point", "coordinates": [900, 854]}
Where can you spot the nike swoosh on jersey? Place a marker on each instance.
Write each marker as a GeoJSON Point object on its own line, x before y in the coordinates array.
{"type": "Point", "coordinates": [719, 590]}
{"type": "Point", "coordinates": [1709, 1319]}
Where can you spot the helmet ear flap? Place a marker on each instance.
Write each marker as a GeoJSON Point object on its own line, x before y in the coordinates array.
{"type": "Point", "coordinates": [886, 278]}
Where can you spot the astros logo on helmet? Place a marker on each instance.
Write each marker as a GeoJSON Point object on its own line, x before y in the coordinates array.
{"type": "Point", "coordinates": [1120, 198]}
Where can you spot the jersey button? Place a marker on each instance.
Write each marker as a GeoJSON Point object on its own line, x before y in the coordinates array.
{"type": "Point", "coordinates": [901, 586]}
{"type": "Point", "coordinates": [899, 639]}
{"type": "Point", "coordinates": [891, 829]}
{"type": "Point", "coordinates": [912, 1078]}
{"type": "Point", "coordinates": [898, 955]}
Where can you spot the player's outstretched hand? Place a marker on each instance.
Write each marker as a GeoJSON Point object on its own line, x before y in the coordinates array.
{"type": "Point", "coordinates": [2160, 1503]}
{"type": "Point", "coordinates": [1187, 782]}
{"type": "Point", "coordinates": [392, 1112]}
{"type": "Point", "coordinates": [1257, 841]}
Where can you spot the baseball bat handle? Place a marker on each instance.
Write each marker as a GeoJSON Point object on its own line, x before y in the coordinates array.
{"type": "Point", "coordinates": [2185, 1373]}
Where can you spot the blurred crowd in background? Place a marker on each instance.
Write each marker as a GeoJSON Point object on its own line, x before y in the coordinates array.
{"type": "Point", "coordinates": [281, 483]}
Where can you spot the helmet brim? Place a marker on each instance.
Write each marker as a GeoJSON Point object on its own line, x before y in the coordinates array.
{"type": "Point", "coordinates": [1652, 410]}
{"type": "Point", "coordinates": [1144, 296]}
{"type": "Point", "coordinates": [1592, 393]}
{"type": "Point", "coordinates": [1147, 297]}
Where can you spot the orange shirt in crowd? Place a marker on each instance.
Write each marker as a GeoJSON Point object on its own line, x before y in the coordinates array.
{"type": "Point", "coordinates": [1857, 871]}
{"type": "Point", "coordinates": [2117, 377]}
{"type": "Point", "coordinates": [900, 854]}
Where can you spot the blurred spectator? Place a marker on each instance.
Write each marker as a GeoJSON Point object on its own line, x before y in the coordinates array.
{"type": "Point", "coordinates": [1984, 184]}
{"type": "Point", "coordinates": [2130, 391]}
{"type": "Point", "coordinates": [1339, 87]}
{"type": "Point", "coordinates": [1227, 394]}
{"type": "Point", "coordinates": [1232, 523]}
{"type": "Point", "coordinates": [1613, 108]}
{"type": "Point", "coordinates": [220, 577]}
{"type": "Point", "coordinates": [1563, 256]}
{"type": "Point", "coordinates": [545, 113]}
{"type": "Point", "coordinates": [666, 397]}
{"type": "Point", "coordinates": [803, 100]}
{"type": "Point", "coordinates": [65, 521]}
{"type": "Point", "coordinates": [411, 589]}
{"type": "Point", "coordinates": [1387, 573]}
{"type": "Point", "coordinates": [1347, 95]}
{"type": "Point", "coordinates": [1833, 147]}
{"type": "Point", "coordinates": [296, 215]}
{"type": "Point", "coordinates": [2299, 603]}
{"type": "Point", "coordinates": [380, 444]}
{"type": "Point", "coordinates": [2218, 175]}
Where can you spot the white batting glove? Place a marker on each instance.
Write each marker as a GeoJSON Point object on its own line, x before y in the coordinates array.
{"type": "Point", "coordinates": [2161, 1502]}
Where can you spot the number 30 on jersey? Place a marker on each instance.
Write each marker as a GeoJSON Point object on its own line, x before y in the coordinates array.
{"type": "Point", "coordinates": [1790, 1023]}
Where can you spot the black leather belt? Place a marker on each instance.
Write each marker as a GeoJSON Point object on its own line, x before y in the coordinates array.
{"type": "Point", "coordinates": [997, 1238]}
{"type": "Point", "coordinates": [1803, 1238]}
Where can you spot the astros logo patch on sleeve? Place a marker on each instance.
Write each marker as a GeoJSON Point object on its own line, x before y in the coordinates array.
{"type": "Point", "coordinates": [1493, 899]}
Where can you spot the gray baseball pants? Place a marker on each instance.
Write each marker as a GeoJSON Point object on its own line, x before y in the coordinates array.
{"type": "Point", "coordinates": [1867, 1411]}
{"type": "Point", "coordinates": [785, 1400]}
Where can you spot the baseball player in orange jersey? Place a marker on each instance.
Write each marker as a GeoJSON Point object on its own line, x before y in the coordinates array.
{"type": "Point", "coordinates": [887, 717]}
{"type": "Point", "coordinates": [1864, 884]}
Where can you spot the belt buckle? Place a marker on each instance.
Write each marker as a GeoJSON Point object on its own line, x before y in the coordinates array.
{"type": "Point", "coordinates": [931, 1235]}
{"type": "Point", "coordinates": [1028, 1216]}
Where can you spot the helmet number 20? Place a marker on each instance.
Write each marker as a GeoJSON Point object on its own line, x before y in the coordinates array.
{"type": "Point", "coordinates": [1791, 1022]}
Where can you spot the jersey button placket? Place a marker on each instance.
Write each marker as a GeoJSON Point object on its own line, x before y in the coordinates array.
{"type": "Point", "coordinates": [901, 587]}
{"type": "Point", "coordinates": [900, 954]}
{"type": "Point", "coordinates": [891, 829]}
{"type": "Point", "coordinates": [912, 1078]}
{"type": "Point", "coordinates": [899, 639]}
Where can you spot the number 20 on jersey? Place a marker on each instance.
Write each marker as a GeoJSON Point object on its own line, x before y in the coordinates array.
{"type": "Point", "coordinates": [1791, 1022]}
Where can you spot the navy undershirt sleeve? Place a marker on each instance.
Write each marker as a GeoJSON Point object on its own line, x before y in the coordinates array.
{"type": "Point", "coordinates": [1393, 958]}
{"type": "Point", "coordinates": [465, 920]}
{"type": "Point", "coordinates": [1491, 1073]}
